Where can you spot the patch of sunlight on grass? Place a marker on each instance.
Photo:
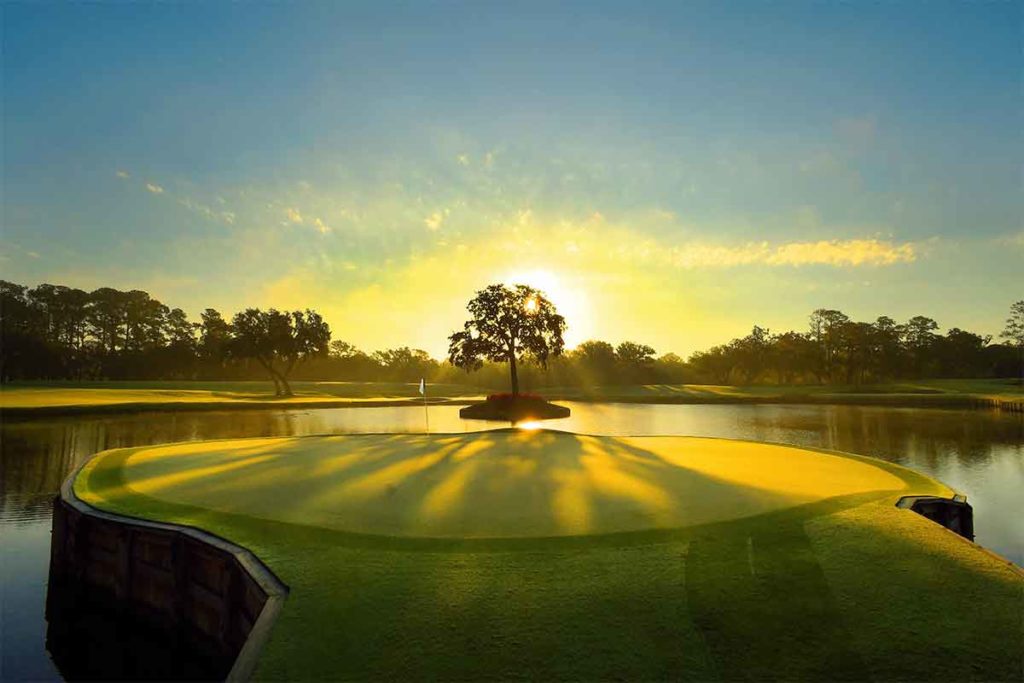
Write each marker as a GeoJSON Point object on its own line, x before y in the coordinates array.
{"type": "Point", "coordinates": [447, 494]}
{"type": "Point", "coordinates": [607, 476]}
{"type": "Point", "coordinates": [793, 472]}
{"type": "Point", "coordinates": [386, 477]}
{"type": "Point", "coordinates": [571, 505]}
{"type": "Point", "coordinates": [153, 484]}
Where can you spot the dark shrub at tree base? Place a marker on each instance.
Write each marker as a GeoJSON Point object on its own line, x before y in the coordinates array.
{"type": "Point", "coordinates": [514, 408]}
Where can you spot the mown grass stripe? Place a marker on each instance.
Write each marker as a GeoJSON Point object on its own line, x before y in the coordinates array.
{"type": "Point", "coordinates": [769, 614]}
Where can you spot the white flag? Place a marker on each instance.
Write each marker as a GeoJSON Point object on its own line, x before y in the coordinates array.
{"type": "Point", "coordinates": [423, 386]}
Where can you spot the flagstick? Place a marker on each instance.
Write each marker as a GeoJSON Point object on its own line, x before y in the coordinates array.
{"type": "Point", "coordinates": [426, 413]}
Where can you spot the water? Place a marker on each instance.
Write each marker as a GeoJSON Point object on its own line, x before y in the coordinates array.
{"type": "Point", "coordinates": [980, 453]}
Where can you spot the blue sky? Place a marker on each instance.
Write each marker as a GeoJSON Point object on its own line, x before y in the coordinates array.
{"type": "Point", "coordinates": [671, 173]}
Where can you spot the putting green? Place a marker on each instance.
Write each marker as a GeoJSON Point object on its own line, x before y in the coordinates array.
{"type": "Point", "coordinates": [500, 484]}
{"type": "Point", "coordinates": [555, 556]}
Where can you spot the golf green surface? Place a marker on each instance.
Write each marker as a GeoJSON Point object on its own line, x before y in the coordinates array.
{"type": "Point", "coordinates": [539, 554]}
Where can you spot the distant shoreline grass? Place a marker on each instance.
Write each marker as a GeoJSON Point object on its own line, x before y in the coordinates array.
{"type": "Point", "coordinates": [32, 399]}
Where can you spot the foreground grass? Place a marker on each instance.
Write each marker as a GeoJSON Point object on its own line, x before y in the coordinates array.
{"type": "Point", "coordinates": [759, 570]}
{"type": "Point", "coordinates": [42, 398]}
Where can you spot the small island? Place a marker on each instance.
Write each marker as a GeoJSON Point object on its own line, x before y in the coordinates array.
{"type": "Point", "coordinates": [514, 408]}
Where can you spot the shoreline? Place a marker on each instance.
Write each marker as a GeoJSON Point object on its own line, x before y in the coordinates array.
{"type": "Point", "coordinates": [939, 401]}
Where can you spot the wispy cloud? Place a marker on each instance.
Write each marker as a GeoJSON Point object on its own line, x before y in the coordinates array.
{"type": "Point", "coordinates": [596, 238]}
{"type": "Point", "coordinates": [295, 217]}
{"type": "Point", "coordinates": [207, 211]}
{"type": "Point", "coordinates": [434, 220]}
{"type": "Point", "coordinates": [839, 253]}
{"type": "Point", "coordinates": [154, 188]}
{"type": "Point", "coordinates": [123, 174]}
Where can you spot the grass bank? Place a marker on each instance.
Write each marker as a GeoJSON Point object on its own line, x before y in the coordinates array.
{"type": "Point", "coordinates": [39, 398]}
{"type": "Point", "coordinates": [550, 555]}
{"type": "Point", "coordinates": [63, 398]}
{"type": "Point", "coordinates": [950, 393]}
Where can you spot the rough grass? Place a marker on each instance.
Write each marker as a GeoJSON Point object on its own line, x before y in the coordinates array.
{"type": "Point", "coordinates": [29, 398]}
{"type": "Point", "coordinates": [924, 393]}
{"type": "Point", "coordinates": [36, 398]}
{"type": "Point", "coordinates": [838, 585]}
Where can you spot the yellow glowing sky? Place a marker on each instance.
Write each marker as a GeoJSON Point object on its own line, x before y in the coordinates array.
{"type": "Point", "coordinates": [603, 293]}
{"type": "Point", "coordinates": [608, 279]}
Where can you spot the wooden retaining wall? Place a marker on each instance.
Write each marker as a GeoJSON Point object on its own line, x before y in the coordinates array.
{"type": "Point", "coordinates": [216, 596]}
{"type": "Point", "coordinates": [955, 513]}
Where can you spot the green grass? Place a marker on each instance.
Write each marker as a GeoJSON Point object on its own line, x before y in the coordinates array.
{"type": "Point", "coordinates": [556, 556]}
{"type": "Point", "coordinates": [58, 397]}
{"type": "Point", "coordinates": [37, 398]}
{"type": "Point", "coordinates": [947, 392]}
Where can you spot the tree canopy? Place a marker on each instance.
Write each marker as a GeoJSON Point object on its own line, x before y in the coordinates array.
{"type": "Point", "coordinates": [508, 324]}
{"type": "Point", "coordinates": [278, 340]}
{"type": "Point", "coordinates": [1014, 334]}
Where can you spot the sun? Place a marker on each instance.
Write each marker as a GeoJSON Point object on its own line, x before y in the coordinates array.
{"type": "Point", "coordinates": [566, 292]}
{"type": "Point", "coordinates": [531, 305]}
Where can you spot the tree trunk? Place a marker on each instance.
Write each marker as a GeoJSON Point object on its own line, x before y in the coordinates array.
{"type": "Point", "coordinates": [286, 388]}
{"type": "Point", "coordinates": [514, 373]}
{"type": "Point", "coordinates": [284, 377]}
{"type": "Point", "coordinates": [269, 367]}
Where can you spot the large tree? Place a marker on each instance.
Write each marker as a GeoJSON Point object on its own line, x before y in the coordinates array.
{"type": "Point", "coordinates": [919, 340]}
{"type": "Point", "coordinates": [404, 364]}
{"type": "Point", "coordinates": [826, 331]}
{"type": "Point", "coordinates": [1014, 334]}
{"type": "Point", "coordinates": [214, 336]}
{"type": "Point", "coordinates": [636, 361]}
{"type": "Point", "coordinates": [508, 324]}
{"type": "Point", "coordinates": [596, 362]}
{"type": "Point", "coordinates": [278, 340]}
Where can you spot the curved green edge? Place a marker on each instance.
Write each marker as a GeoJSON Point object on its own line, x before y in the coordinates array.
{"type": "Point", "coordinates": [847, 587]}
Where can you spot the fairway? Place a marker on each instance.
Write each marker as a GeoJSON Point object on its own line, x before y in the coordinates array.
{"type": "Point", "coordinates": [559, 556]}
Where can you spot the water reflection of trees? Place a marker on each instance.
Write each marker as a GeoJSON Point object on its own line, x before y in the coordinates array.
{"type": "Point", "coordinates": [36, 455]}
{"type": "Point", "coordinates": [897, 434]}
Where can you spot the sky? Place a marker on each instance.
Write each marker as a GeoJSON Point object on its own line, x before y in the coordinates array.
{"type": "Point", "coordinates": [667, 173]}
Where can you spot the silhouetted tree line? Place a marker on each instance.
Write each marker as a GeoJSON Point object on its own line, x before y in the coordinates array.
{"type": "Point", "coordinates": [52, 332]}
{"type": "Point", "coordinates": [57, 332]}
{"type": "Point", "coordinates": [838, 350]}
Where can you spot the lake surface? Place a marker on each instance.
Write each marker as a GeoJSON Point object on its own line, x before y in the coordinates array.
{"type": "Point", "coordinates": [978, 452]}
